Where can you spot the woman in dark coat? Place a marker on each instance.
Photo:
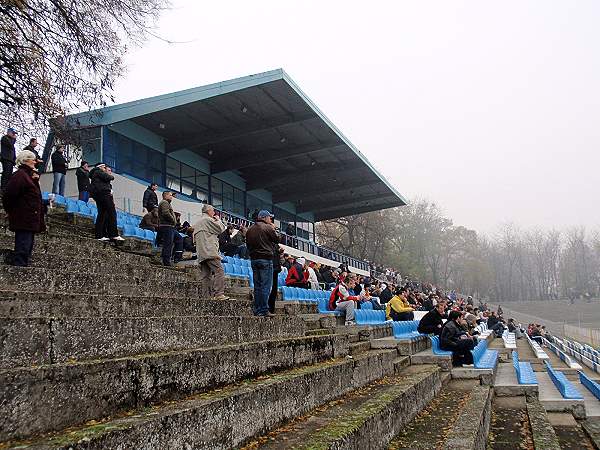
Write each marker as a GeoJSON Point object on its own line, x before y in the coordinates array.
{"type": "Point", "coordinates": [23, 203]}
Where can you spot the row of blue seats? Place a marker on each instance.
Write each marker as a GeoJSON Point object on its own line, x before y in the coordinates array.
{"type": "Point", "coordinates": [298, 294]}
{"type": "Point", "coordinates": [525, 373]}
{"type": "Point", "coordinates": [369, 317]}
{"type": "Point", "coordinates": [243, 272]}
{"type": "Point", "coordinates": [236, 261]}
{"type": "Point", "coordinates": [564, 386]}
{"type": "Point", "coordinates": [406, 329]}
{"type": "Point", "coordinates": [483, 358]}
{"type": "Point", "coordinates": [136, 232]}
{"type": "Point", "coordinates": [590, 384]}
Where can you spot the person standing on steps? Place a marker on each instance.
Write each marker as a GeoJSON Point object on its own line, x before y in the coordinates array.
{"type": "Point", "coordinates": [261, 239]}
{"type": "Point", "coordinates": [7, 156]}
{"type": "Point", "coordinates": [83, 181]}
{"type": "Point", "coordinates": [206, 232]}
{"type": "Point", "coordinates": [25, 207]}
{"type": "Point", "coordinates": [101, 192]}
{"type": "Point", "coordinates": [150, 200]}
{"type": "Point", "coordinates": [167, 227]}
{"type": "Point", "coordinates": [59, 167]}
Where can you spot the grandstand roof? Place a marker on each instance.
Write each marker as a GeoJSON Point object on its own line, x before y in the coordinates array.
{"type": "Point", "coordinates": [266, 129]}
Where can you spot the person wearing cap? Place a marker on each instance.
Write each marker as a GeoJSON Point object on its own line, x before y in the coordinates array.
{"type": "Point", "coordinates": [206, 232]}
{"type": "Point", "coordinates": [297, 275]}
{"type": "Point", "coordinates": [59, 167]}
{"type": "Point", "coordinates": [24, 206]}
{"type": "Point", "coordinates": [101, 192]}
{"type": "Point", "coordinates": [261, 239]}
{"type": "Point", "coordinates": [7, 156]}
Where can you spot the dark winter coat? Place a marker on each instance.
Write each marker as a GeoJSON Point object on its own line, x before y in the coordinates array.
{"type": "Point", "coordinates": [429, 323]}
{"type": "Point", "coordinates": [59, 163]}
{"type": "Point", "coordinates": [83, 179]}
{"type": "Point", "coordinates": [150, 200]}
{"type": "Point", "coordinates": [450, 335]}
{"type": "Point", "coordinates": [100, 183]}
{"type": "Point", "coordinates": [23, 202]}
{"type": "Point", "coordinates": [7, 149]}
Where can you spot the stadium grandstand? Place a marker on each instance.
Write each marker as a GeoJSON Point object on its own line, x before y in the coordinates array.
{"type": "Point", "coordinates": [242, 145]}
{"type": "Point", "coordinates": [101, 347]}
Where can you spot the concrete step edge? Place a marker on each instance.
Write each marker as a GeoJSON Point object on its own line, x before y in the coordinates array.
{"type": "Point", "coordinates": [270, 400]}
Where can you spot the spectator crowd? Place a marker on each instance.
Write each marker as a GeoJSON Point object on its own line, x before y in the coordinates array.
{"type": "Point", "coordinates": [450, 316]}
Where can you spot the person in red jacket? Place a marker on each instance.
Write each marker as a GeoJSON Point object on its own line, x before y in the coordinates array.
{"type": "Point", "coordinates": [341, 300]}
{"type": "Point", "coordinates": [25, 207]}
{"type": "Point", "coordinates": [298, 275]}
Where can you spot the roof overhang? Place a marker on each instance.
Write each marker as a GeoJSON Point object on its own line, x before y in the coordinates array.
{"type": "Point", "coordinates": [268, 131]}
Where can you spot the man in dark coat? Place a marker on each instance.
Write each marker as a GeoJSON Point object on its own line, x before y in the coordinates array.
{"type": "Point", "coordinates": [25, 208]}
{"type": "Point", "coordinates": [7, 155]}
{"type": "Point", "coordinates": [32, 147]}
{"type": "Point", "coordinates": [83, 181]}
{"type": "Point", "coordinates": [59, 167]}
{"type": "Point", "coordinates": [455, 339]}
{"type": "Point", "coordinates": [433, 321]}
{"type": "Point", "coordinates": [101, 192]}
{"type": "Point", "coordinates": [150, 200]}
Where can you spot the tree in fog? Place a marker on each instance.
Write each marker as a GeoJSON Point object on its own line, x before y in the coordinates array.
{"type": "Point", "coordinates": [510, 264]}
{"type": "Point", "coordinates": [57, 55]}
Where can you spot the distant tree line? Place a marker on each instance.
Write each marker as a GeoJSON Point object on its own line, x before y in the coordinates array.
{"type": "Point", "coordinates": [510, 264]}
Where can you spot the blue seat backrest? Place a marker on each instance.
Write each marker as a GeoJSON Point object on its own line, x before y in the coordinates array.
{"type": "Point", "coordinates": [149, 235]}
{"type": "Point", "coordinates": [322, 305]}
{"type": "Point", "coordinates": [361, 317]}
{"type": "Point", "coordinates": [128, 230]}
{"type": "Point", "coordinates": [72, 206]}
{"type": "Point", "coordinates": [140, 233]}
{"type": "Point", "coordinates": [366, 305]}
{"type": "Point", "coordinates": [228, 268]}
{"type": "Point", "coordinates": [59, 199]}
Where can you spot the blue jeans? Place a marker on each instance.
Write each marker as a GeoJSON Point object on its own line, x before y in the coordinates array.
{"type": "Point", "coordinates": [262, 271]}
{"type": "Point", "coordinates": [58, 187]}
{"type": "Point", "coordinates": [170, 238]}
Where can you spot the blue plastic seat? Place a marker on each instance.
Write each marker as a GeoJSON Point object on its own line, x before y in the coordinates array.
{"type": "Point", "coordinates": [71, 206]}
{"type": "Point", "coordinates": [524, 371]}
{"type": "Point", "coordinates": [84, 210]}
{"type": "Point", "coordinates": [591, 385]}
{"type": "Point", "coordinates": [435, 347]}
{"type": "Point", "coordinates": [484, 358]}
{"type": "Point", "coordinates": [228, 268]}
{"type": "Point", "coordinates": [366, 305]}
{"type": "Point", "coordinates": [129, 231]}
{"type": "Point", "coordinates": [150, 235]}
{"type": "Point", "coordinates": [60, 200]}
{"type": "Point", "coordinates": [564, 386]}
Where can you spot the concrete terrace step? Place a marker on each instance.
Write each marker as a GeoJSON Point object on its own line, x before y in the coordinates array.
{"type": "Point", "coordinates": [119, 265]}
{"type": "Point", "coordinates": [35, 341]}
{"type": "Point", "coordinates": [431, 427]}
{"type": "Point", "coordinates": [41, 304]}
{"type": "Point", "coordinates": [37, 400]}
{"type": "Point", "coordinates": [33, 278]}
{"type": "Point", "coordinates": [366, 418]}
{"type": "Point", "coordinates": [227, 417]}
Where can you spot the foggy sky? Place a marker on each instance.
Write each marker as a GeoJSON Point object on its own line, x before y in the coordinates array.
{"type": "Point", "coordinates": [491, 109]}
